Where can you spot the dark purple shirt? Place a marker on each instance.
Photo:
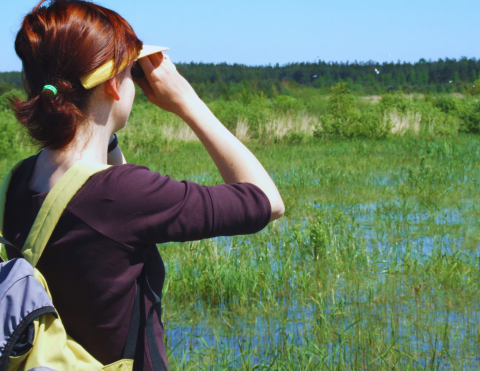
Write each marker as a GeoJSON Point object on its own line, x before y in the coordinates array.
{"type": "Point", "coordinates": [110, 230]}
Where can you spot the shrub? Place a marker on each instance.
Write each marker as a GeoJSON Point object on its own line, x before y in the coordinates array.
{"type": "Point", "coordinates": [396, 101]}
{"type": "Point", "coordinates": [347, 121]}
{"type": "Point", "coordinates": [6, 97]}
{"type": "Point", "coordinates": [230, 112]}
{"type": "Point", "coordinates": [474, 89]}
{"type": "Point", "coordinates": [446, 104]}
{"type": "Point", "coordinates": [340, 102]}
{"type": "Point", "coordinates": [10, 137]}
{"type": "Point", "coordinates": [468, 110]}
{"type": "Point", "coordinates": [285, 103]}
{"type": "Point", "coordinates": [371, 125]}
{"type": "Point", "coordinates": [436, 122]}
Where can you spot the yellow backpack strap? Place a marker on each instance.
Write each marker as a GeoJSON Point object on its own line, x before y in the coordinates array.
{"type": "Point", "coordinates": [3, 200]}
{"type": "Point", "coordinates": [53, 207]}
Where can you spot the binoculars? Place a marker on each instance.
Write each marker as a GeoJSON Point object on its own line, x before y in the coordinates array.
{"type": "Point", "coordinates": [137, 72]}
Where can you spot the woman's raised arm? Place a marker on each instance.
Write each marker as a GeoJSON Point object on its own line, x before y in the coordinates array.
{"type": "Point", "coordinates": [167, 89]}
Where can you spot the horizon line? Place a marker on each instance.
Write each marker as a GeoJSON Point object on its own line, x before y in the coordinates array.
{"type": "Point", "coordinates": [344, 63]}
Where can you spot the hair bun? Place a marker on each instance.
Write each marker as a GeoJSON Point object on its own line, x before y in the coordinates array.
{"type": "Point", "coordinates": [59, 87]}
{"type": "Point", "coordinates": [64, 87]}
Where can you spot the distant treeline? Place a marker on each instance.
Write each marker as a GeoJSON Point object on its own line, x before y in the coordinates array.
{"type": "Point", "coordinates": [367, 78]}
{"type": "Point", "coordinates": [364, 78]}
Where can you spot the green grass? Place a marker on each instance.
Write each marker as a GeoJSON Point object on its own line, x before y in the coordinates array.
{"type": "Point", "coordinates": [374, 266]}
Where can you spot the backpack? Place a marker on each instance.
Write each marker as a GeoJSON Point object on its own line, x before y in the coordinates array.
{"type": "Point", "coordinates": [33, 336]}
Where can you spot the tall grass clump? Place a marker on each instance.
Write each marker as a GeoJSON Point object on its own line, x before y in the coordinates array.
{"type": "Point", "coordinates": [288, 126]}
{"type": "Point", "coordinates": [402, 123]}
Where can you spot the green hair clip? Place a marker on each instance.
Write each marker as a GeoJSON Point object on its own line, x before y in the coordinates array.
{"type": "Point", "coordinates": [50, 87]}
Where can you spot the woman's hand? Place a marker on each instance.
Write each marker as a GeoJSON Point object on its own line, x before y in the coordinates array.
{"type": "Point", "coordinates": [164, 86]}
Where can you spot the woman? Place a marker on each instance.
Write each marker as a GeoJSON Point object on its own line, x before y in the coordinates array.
{"type": "Point", "coordinates": [110, 229]}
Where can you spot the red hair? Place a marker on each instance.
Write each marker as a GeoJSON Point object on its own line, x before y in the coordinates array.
{"type": "Point", "coordinates": [58, 44]}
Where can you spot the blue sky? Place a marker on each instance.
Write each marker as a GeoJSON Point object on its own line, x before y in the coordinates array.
{"type": "Point", "coordinates": [258, 32]}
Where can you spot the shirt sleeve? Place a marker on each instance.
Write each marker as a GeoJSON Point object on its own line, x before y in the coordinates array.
{"type": "Point", "coordinates": [133, 205]}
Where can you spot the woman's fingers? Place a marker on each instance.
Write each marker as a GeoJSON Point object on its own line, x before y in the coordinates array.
{"type": "Point", "coordinates": [146, 65]}
{"type": "Point", "coordinates": [156, 59]}
{"type": "Point", "coordinates": [152, 65]}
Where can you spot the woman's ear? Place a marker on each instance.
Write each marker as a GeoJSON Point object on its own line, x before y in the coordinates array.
{"type": "Point", "coordinates": [111, 87]}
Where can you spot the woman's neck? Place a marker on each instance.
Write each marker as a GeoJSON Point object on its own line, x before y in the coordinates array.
{"type": "Point", "coordinates": [88, 145]}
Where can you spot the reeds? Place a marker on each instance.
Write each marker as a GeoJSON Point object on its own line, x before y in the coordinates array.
{"type": "Point", "coordinates": [180, 131]}
{"type": "Point", "coordinates": [402, 123]}
{"type": "Point", "coordinates": [281, 126]}
{"type": "Point", "coordinates": [242, 130]}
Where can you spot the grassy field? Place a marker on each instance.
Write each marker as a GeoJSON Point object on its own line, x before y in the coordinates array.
{"type": "Point", "coordinates": [374, 266]}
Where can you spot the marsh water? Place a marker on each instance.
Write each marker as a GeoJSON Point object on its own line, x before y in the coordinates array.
{"type": "Point", "coordinates": [374, 266]}
{"type": "Point", "coordinates": [418, 318]}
